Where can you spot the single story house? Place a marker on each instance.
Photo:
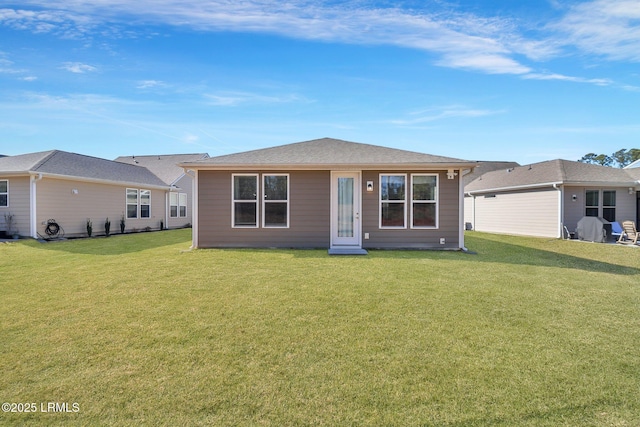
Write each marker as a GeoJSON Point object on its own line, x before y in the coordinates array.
{"type": "Point", "coordinates": [73, 188]}
{"type": "Point", "coordinates": [329, 193]}
{"type": "Point", "coordinates": [180, 181]}
{"type": "Point", "coordinates": [545, 199]}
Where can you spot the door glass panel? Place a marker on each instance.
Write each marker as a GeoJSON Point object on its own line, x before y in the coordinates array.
{"type": "Point", "coordinates": [345, 207]}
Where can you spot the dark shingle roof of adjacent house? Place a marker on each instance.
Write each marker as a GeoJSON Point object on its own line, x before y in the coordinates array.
{"type": "Point", "coordinates": [163, 166]}
{"type": "Point", "coordinates": [551, 172]}
{"type": "Point", "coordinates": [327, 152]}
{"type": "Point", "coordinates": [62, 163]}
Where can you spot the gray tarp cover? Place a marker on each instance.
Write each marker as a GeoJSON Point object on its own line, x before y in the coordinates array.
{"type": "Point", "coordinates": [591, 228]}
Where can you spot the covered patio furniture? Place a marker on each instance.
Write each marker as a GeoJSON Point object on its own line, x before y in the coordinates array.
{"type": "Point", "coordinates": [591, 229]}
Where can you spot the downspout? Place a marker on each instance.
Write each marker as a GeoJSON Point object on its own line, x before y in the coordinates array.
{"type": "Point", "coordinates": [560, 210]}
{"type": "Point", "coordinates": [33, 225]}
{"type": "Point", "coordinates": [461, 212]}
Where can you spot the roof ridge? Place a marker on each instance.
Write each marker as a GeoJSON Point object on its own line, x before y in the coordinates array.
{"type": "Point", "coordinates": [45, 159]}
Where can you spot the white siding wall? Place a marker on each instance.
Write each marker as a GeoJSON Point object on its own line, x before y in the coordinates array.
{"type": "Point", "coordinates": [532, 213]}
{"type": "Point", "coordinates": [18, 204]}
{"type": "Point", "coordinates": [185, 185]}
{"type": "Point", "coordinates": [56, 199]}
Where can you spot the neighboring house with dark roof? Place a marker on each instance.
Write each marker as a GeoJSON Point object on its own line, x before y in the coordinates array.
{"type": "Point", "coordinates": [543, 198]}
{"type": "Point", "coordinates": [165, 167]}
{"type": "Point", "coordinates": [483, 167]}
{"type": "Point", "coordinates": [71, 188]}
{"type": "Point", "coordinates": [329, 193]}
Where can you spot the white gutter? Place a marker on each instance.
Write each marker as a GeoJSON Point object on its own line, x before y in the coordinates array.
{"type": "Point", "coordinates": [105, 181]}
{"type": "Point", "coordinates": [33, 220]}
{"type": "Point", "coordinates": [515, 187]}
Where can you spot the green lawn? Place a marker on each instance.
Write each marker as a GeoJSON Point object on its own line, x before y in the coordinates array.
{"type": "Point", "coordinates": [138, 330]}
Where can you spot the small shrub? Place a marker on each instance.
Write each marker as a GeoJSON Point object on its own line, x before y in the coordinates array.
{"type": "Point", "coordinates": [107, 227]}
{"type": "Point", "coordinates": [122, 224]}
{"type": "Point", "coordinates": [89, 227]}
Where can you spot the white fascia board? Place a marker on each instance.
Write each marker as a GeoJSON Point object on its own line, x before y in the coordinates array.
{"type": "Point", "coordinates": [515, 187]}
{"type": "Point", "coordinates": [103, 181]}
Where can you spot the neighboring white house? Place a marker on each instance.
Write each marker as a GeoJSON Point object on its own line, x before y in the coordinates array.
{"type": "Point", "coordinates": [542, 199]}
{"type": "Point", "coordinates": [180, 196]}
{"type": "Point", "coordinates": [148, 192]}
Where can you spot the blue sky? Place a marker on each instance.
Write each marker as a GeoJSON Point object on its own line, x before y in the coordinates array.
{"type": "Point", "coordinates": [477, 79]}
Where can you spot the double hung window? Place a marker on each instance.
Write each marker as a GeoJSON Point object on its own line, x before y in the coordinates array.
{"type": "Point", "coordinates": [4, 193]}
{"type": "Point", "coordinates": [178, 205]}
{"type": "Point", "coordinates": [274, 193]}
{"type": "Point", "coordinates": [601, 203]}
{"type": "Point", "coordinates": [424, 200]}
{"type": "Point", "coordinates": [245, 200]}
{"type": "Point", "coordinates": [421, 201]}
{"type": "Point", "coordinates": [393, 203]}
{"type": "Point", "coordinates": [275, 201]}
{"type": "Point", "coordinates": [132, 203]}
{"type": "Point", "coordinates": [138, 203]}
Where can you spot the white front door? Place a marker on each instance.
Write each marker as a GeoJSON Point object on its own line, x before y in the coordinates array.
{"type": "Point", "coordinates": [345, 209]}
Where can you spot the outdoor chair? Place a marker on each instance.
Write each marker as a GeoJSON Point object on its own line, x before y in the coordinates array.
{"type": "Point", "coordinates": [616, 231]}
{"type": "Point", "coordinates": [629, 234]}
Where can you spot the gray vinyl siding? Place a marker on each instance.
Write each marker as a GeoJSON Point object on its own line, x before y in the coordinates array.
{"type": "Point", "coordinates": [574, 210]}
{"type": "Point", "coordinates": [309, 210]}
{"type": "Point", "coordinates": [408, 238]}
{"type": "Point", "coordinates": [56, 199]}
{"type": "Point", "coordinates": [531, 213]}
{"type": "Point", "coordinates": [18, 204]}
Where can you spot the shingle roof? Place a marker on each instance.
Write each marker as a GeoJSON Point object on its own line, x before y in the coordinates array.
{"type": "Point", "coordinates": [552, 171]}
{"type": "Point", "coordinates": [327, 152]}
{"type": "Point", "coordinates": [163, 166]}
{"type": "Point", "coordinates": [484, 167]}
{"type": "Point", "coordinates": [62, 163]}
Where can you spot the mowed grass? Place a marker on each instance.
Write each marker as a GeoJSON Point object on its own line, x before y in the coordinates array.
{"type": "Point", "coordinates": [138, 330]}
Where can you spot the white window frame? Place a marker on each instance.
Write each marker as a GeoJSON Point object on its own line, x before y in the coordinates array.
{"type": "Point", "coordinates": [127, 204]}
{"type": "Point", "coordinates": [404, 202]}
{"type": "Point", "coordinates": [234, 201]}
{"type": "Point", "coordinates": [5, 193]}
{"type": "Point", "coordinates": [179, 201]}
{"type": "Point", "coordinates": [183, 200]}
{"type": "Point", "coordinates": [144, 193]}
{"type": "Point", "coordinates": [435, 201]}
{"type": "Point", "coordinates": [173, 196]}
{"type": "Point", "coordinates": [265, 201]}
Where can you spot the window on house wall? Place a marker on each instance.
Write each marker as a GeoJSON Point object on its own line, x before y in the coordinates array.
{"type": "Point", "coordinates": [393, 204]}
{"type": "Point", "coordinates": [424, 200]}
{"type": "Point", "coordinates": [183, 205]}
{"type": "Point", "coordinates": [592, 202]}
{"type": "Point", "coordinates": [145, 203]}
{"type": "Point", "coordinates": [4, 193]}
{"type": "Point", "coordinates": [609, 205]}
{"type": "Point", "coordinates": [275, 203]}
{"type": "Point", "coordinates": [245, 200]}
{"type": "Point", "coordinates": [132, 203]}
{"type": "Point", "coordinates": [173, 205]}
{"type": "Point", "coordinates": [178, 205]}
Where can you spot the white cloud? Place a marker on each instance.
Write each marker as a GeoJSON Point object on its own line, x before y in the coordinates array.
{"type": "Point", "coordinates": [442, 113]}
{"type": "Point", "coordinates": [232, 99]}
{"type": "Point", "coordinates": [604, 27]}
{"type": "Point", "coordinates": [490, 44]}
{"type": "Point", "coordinates": [150, 84]}
{"type": "Point", "coordinates": [555, 76]}
{"type": "Point", "coordinates": [78, 67]}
